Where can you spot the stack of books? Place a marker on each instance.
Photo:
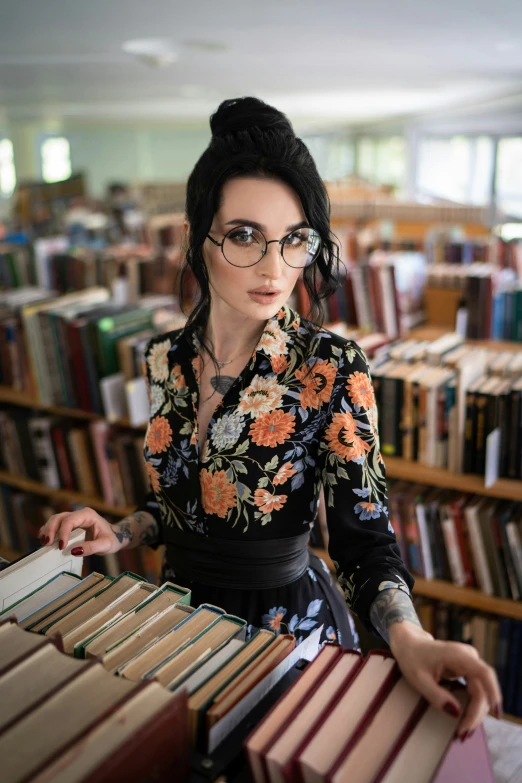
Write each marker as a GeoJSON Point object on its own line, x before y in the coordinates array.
{"type": "Point", "coordinates": [68, 720]}
{"type": "Point", "coordinates": [442, 400]}
{"type": "Point", "coordinates": [354, 720]}
{"type": "Point", "coordinates": [95, 458]}
{"type": "Point", "coordinates": [81, 350]}
{"type": "Point", "coordinates": [138, 631]}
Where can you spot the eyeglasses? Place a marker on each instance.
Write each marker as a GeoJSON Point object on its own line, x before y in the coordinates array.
{"type": "Point", "coordinates": [245, 246]}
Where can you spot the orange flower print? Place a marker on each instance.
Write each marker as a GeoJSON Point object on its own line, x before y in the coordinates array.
{"type": "Point", "coordinates": [360, 390]}
{"type": "Point", "coordinates": [272, 428]}
{"type": "Point", "coordinates": [273, 340]}
{"type": "Point", "coordinates": [279, 363]}
{"type": "Point", "coordinates": [266, 502]}
{"type": "Point", "coordinates": [262, 396]}
{"type": "Point", "coordinates": [284, 473]}
{"type": "Point", "coordinates": [342, 439]}
{"type": "Point", "coordinates": [217, 493]}
{"type": "Point", "coordinates": [177, 378]}
{"type": "Point", "coordinates": [274, 618]}
{"type": "Point", "coordinates": [318, 383]}
{"type": "Point", "coordinates": [159, 435]}
{"type": "Point", "coordinates": [153, 476]}
{"type": "Point", "coordinates": [158, 361]}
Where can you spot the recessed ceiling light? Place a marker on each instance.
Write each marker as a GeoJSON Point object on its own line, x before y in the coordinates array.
{"type": "Point", "coordinates": [204, 44]}
{"type": "Point", "coordinates": [157, 52]}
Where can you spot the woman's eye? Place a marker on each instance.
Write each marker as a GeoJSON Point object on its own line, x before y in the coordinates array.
{"type": "Point", "coordinates": [295, 239]}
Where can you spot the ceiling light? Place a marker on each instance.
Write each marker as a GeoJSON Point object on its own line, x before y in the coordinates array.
{"type": "Point", "coordinates": [157, 52]}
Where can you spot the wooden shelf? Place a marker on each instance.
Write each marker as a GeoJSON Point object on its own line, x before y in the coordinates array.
{"type": "Point", "coordinates": [508, 489]}
{"type": "Point", "coordinates": [465, 596]}
{"type": "Point", "coordinates": [21, 398]}
{"type": "Point", "coordinates": [65, 495]}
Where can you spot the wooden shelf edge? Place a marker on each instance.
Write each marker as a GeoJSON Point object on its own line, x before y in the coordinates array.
{"type": "Point", "coordinates": [65, 495]}
{"type": "Point", "coordinates": [445, 591]}
{"type": "Point", "coordinates": [513, 719]}
{"type": "Point", "coordinates": [22, 399]}
{"type": "Point", "coordinates": [397, 468]}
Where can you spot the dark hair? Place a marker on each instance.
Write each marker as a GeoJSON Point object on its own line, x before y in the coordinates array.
{"type": "Point", "coordinates": [251, 138]}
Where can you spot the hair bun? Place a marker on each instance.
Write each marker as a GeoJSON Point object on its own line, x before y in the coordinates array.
{"type": "Point", "coordinates": [243, 114]}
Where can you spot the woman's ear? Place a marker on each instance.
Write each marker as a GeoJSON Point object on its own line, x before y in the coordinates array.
{"type": "Point", "coordinates": [186, 226]}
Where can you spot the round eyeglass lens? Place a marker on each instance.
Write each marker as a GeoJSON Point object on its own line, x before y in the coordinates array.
{"type": "Point", "coordinates": [301, 247]}
{"type": "Point", "coordinates": [244, 246]}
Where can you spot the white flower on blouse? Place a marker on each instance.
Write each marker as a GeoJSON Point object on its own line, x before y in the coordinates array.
{"type": "Point", "coordinates": [157, 398]}
{"type": "Point", "coordinates": [262, 396]}
{"type": "Point", "coordinates": [226, 430]}
{"type": "Point", "coordinates": [158, 361]}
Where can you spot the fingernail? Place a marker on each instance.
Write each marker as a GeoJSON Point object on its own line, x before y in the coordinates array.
{"type": "Point", "coordinates": [464, 736]}
{"type": "Point", "coordinates": [497, 712]}
{"type": "Point", "coordinates": [42, 540]}
{"type": "Point", "coordinates": [450, 708]}
{"type": "Point", "coordinates": [78, 551]}
{"type": "Point", "coordinates": [61, 544]}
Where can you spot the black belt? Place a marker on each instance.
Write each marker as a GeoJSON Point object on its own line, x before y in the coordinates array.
{"type": "Point", "coordinates": [239, 565]}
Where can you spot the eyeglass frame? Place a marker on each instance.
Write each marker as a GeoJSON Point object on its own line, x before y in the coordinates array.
{"type": "Point", "coordinates": [267, 242]}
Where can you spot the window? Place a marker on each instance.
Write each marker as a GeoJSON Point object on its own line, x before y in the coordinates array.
{"type": "Point", "coordinates": [333, 155]}
{"type": "Point", "coordinates": [509, 176]}
{"type": "Point", "coordinates": [382, 161]}
{"type": "Point", "coordinates": [7, 168]}
{"type": "Point", "coordinates": [56, 159]}
{"type": "Point", "coordinates": [458, 169]}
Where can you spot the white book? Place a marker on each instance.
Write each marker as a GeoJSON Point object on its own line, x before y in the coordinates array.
{"type": "Point", "coordinates": [478, 549]}
{"type": "Point", "coordinates": [29, 573]}
{"type": "Point", "coordinates": [138, 404]}
{"type": "Point", "coordinates": [451, 544]}
{"type": "Point", "coordinates": [112, 390]}
{"type": "Point", "coordinates": [54, 588]}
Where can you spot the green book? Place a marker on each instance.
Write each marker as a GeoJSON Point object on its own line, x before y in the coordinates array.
{"type": "Point", "coordinates": [110, 329]}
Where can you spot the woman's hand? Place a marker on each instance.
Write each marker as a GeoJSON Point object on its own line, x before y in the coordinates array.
{"type": "Point", "coordinates": [425, 661]}
{"type": "Point", "coordinates": [103, 537]}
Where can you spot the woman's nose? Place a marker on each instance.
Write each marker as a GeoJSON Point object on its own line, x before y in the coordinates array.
{"type": "Point", "coordinates": [272, 263]}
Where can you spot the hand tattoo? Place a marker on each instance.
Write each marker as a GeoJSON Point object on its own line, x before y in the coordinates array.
{"type": "Point", "coordinates": [389, 607]}
{"type": "Point", "coordinates": [123, 532]}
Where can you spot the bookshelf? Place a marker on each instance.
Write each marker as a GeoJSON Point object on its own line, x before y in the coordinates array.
{"type": "Point", "coordinates": [12, 396]}
{"type": "Point", "coordinates": [397, 468]}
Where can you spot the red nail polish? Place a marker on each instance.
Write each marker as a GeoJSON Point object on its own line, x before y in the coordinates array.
{"type": "Point", "coordinates": [450, 708]}
{"type": "Point", "coordinates": [497, 712]}
{"type": "Point", "coordinates": [77, 551]}
{"type": "Point", "coordinates": [61, 544]}
{"type": "Point", "coordinates": [464, 736]}
{"type": "Point", "coordinates": [46, 540]}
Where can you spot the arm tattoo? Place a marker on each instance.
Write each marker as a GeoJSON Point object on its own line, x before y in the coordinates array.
{"type": "Point", "coordinates": [392, 606]}
{"type": "Point", "coordinates": [138, 528]}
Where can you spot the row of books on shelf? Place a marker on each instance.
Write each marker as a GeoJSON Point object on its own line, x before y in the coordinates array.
{"type": "Point", "coordinates": [498, 641]}
{"type": "Point", "coordinates": [440, 400]}
{"type": "Point", "coordinates": [81, 350]}
{"type": "Point", "coordinates": [344, 718]}
{"type": "Point", "coordinates": [22, 515]}
{"type": "Point", "coordinates": [94, 458]}
{"type": "Point", "coordinates": [493, 303]}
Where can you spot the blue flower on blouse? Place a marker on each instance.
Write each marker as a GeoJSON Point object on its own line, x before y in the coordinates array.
{"type": "Point", "coordinates": [273, 618]}
{"type": "Point", "coordinates": [368, 510]}
{"type": "Point", "coordinates": [226, 430]}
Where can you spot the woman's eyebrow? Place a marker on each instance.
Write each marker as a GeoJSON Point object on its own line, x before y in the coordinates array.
{"type": "Point", "coordinates": [261, 227]}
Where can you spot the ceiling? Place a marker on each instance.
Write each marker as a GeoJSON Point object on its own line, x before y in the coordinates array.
{"type": "Point", "coordinates": [329, 62]}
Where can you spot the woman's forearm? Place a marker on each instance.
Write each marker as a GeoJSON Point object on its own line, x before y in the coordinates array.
{"type": "Point", "coordinates": [136, 529]}
{"type": "Point", "coordinates": [392, 607]}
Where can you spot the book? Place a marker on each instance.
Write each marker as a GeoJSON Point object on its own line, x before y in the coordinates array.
{"type": "Point", "coordinates": [56, 587]}
{"type": "Point", "coordinates": [28, 573]}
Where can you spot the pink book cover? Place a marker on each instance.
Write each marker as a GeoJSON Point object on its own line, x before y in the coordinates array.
{"type": "Point", "coordinates": [466, 762]}
{"type": "Point", "coordinates": [99, 430]}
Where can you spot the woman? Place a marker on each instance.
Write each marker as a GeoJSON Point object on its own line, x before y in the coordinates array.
{"type": "Point", "coordinates": [254, 408]}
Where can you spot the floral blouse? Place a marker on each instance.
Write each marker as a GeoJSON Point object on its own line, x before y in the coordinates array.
{"type": "Point", "coordinates": [301, 414]}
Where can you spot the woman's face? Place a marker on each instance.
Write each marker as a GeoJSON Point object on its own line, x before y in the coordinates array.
{"type": "Point", "coordinates": [274, 208]}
